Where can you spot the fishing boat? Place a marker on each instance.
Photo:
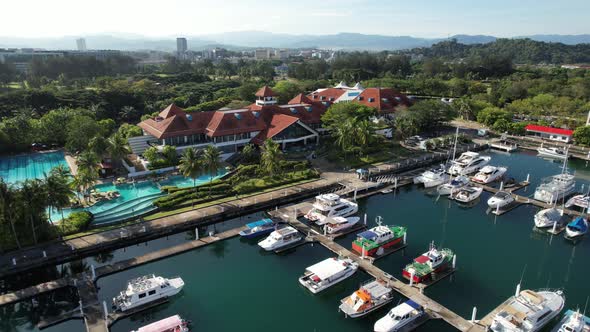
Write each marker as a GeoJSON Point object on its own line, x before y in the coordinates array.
{"type": "Point", "coordinates": [369, 297]}
{"type": "Point", "coordinates": [340, 224]}
{"type": "Point", "coordinates": [327, 273]}
{"type": "Point", "coordinates": [555, 153]}
{"type": "Point", "coordinates": [582, 201]}
{"type": "Point", "coordinates": [402, 317]}
{"type": "Point", "coordinates": [573, 321]}
{"type": "Point", "coordinates": [432, 177]}
{"type": "Point", "coordinates": [170, 324]}
{"type": "Point", "coordinates": [500, 199]}
{"type": "Point", "coordinates": [469, 162]}
{"type": "Point", "coordinates": [146, 289]}
{"type": "Point", "coordinates": [528, 311]}
{"type": "Point", "coordinates": [489, 174]}
{"type": "Point", "coordinates": [425, 266]}
{"type": "Point", "coordinates": [450, 187]}
{"type": "Point", "coordinates": [467, 194]}
{"type": "Point", "coordinates": [258, 228]}
{"type": "Point", "coordinates": [547, 217]}
{"type": "Point", "coordinates": [576, 228]}
{"type": "Point", "coordinates": [330, 205]}
{"type": "Point", "coordinates": [375, 240]}
{"type": "Point", "coordinates": [280, 238]}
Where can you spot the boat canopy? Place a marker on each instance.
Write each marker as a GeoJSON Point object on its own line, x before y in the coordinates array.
{"type": "Point", "coordinates": [368, 235]}
{"type": "Point", "coordinates": [413, 304]}
{"type": "Point", "coordinates": [578, 224]}
{"type": "Point", "coordinates": [262, 222]}
{"type": "Point", "coordinates": [166, 324]}
{"type": "Point", "coordinates": [327, 268]}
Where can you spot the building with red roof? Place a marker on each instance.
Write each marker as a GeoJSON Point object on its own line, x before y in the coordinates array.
{"type": "Point", "coordinates": [551, 133]}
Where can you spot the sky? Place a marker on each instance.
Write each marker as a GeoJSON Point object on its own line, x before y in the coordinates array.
{"type": "Point", "coordinates": [418, 18]}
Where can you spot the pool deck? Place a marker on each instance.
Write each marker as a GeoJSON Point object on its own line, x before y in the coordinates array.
{"type": "Point", "coordinates": [72, 164]}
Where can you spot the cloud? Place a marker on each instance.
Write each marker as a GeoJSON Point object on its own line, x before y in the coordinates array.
{"type": "Point", "coordinates": [331, 14]}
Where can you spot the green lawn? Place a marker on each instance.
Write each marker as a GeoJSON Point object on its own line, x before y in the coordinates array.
{"type": "Point", "coordinates": [388, 151]}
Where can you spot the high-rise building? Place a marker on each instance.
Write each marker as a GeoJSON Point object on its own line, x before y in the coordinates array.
{"type": "Point", "coordinates": [81, 44]}
{"type": "Point", "coordinates": [181, 45]}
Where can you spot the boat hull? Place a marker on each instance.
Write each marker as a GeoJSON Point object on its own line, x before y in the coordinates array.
{"type": "Point", "coordinates": [251, 235]}
{"type": "Point", "coordinates": [364, 312]}
{"type": "Point", "coordinates": [371, 252]}
{"type": "Point", "coordinates": [428, 276]}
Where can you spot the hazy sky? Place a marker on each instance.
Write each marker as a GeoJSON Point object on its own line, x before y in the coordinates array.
{"type": "Point", "coordinates": [423, 18]}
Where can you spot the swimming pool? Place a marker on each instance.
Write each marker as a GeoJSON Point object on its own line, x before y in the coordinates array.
{"type": "Point", "coordinates": [19, 168]}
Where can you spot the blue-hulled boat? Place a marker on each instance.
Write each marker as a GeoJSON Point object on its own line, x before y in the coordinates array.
{"type": "Point", "coordinates": [576, 228]}
{"type": "Point", "coordinates": [258, 228]}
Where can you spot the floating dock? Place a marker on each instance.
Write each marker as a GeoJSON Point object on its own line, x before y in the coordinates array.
{"type": "Point", "coordinates": [506, 147]}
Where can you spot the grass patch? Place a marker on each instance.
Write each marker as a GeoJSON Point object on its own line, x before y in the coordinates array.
{"type": "Point", "coordinates": [386, 151]}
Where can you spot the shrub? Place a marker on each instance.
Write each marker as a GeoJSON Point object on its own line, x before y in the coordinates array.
{"type": "Point", "coordinates": [76, 222]}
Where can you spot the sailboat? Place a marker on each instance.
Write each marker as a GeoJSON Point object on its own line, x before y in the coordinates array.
{"type": "Point", "coordinates": [576, 228]}
{"type": "Point", "coordinates": [556, 187]}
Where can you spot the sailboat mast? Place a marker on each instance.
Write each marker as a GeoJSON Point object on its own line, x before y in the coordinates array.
{"type": "Point", "coordinates": [455, 146]}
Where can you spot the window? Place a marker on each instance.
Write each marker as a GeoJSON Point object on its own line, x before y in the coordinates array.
{"type": "Point", "coordinates": [141, 296]}
{"type": "Point", "coordinates": [331, 98]}
{"type": "Point", "coordinates": [371, 100]}
{"type": "Point", "coordinates": [543, 316]}
{"type": "Point", "coordinates": [323, 97]}
{"type": "Point", "coordinates": [152, 292]}
{"type": "Point", "coordinates": [361, 98]}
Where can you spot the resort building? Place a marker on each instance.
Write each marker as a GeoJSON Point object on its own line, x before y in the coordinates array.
{"type": "Point", "coordinates": [551, 133]}
{"type": "Point", "coordinates": [296, 123]}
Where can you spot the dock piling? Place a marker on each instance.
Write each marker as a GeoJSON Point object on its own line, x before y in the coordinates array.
{"type": "Point", "coordinates": [365, 219]}
{"type": "Point", "coordinates": [501, 185]}
{"type": "Point", "coordinates": [105, 309]}
{"type": "Point", "coordinates": [196, 233]}
{"type": "Point", "coordinates": [405, 237]}
{"type": "Point", "coordinates": [454, 261]}
{"type": "Point", "coordinates": [93, 272]}
{"type": "Point", "coordinates": [44, 254]}
{"type": "Point", "coordinates": [555, 224]}
{"type": "Point", "coordinates": [81, 308]}
{"type": "Point", "coordinates": [412, 279]}
{"type": "Point", "coordinates": [473, 314]}
{"type": "Point", "coordinates": [13, 261]}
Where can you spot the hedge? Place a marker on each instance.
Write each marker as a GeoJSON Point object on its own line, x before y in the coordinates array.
{"type": "Point", "coordinates": [75, 222]}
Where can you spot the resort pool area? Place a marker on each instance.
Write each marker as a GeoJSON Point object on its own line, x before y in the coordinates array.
{"type": "Point", "coordinates": [19, 168]}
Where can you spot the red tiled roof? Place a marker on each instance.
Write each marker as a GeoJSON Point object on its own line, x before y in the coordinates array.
{"type": "Point", "coordinates": [549, 130]}
{"type": "Point", "coordinates": [385, 100]}
{"type": "Point", "coordinates": [278, 123]}
{"type": "Point", "coordinates": [234, 122]}
{"type": "Point", "coordinates": [265, 91]}
{"type": "Point", "coordinates": [174, 121]}
{"type": "Point", "coordinates": [300, 99]}
{"type": "Point", "coordinates": [307, 113]}
{"type": "Point", "coordinates": [329, 95]}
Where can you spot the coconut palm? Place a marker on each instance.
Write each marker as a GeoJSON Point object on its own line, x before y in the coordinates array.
{"type": "Point", "coordinates": [364, 133]}
{"type": "Point", "coordinates": [211, 162]}
{"type": "Point", "coordinates": [271, 157]}
{"type": "Point", "coordinates": [343, 135]}
{"type": "Point", "coordinates": [58, 191]}
{"type": "Point", "coordinates": [87, 162]}
{"type": "Point", "coordinates": [33, 195]}
{"type": "Point", "coordinates": [128, 113]}
{"type": "Point", "coordinates": [191, 166]}
{"type": "Point", "coordinates": [8, 204]}
{"type": "Point", "coordinates": [82, 182]}
{"type": "Point", "coordinates": [117, 147]}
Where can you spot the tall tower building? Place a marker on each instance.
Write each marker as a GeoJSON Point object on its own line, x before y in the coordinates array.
{"type": "Point", "coordinates": [181, 45]}
{"type": "Point", "coordinates": [81, 44]}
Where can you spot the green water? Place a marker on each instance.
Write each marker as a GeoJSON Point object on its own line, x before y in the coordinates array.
{"type": "Point", "coordinates": [234, 286]}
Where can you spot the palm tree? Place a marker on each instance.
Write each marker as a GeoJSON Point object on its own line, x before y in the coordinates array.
{"type": "Point", "coordinates": [33, 195]}
{"type": "Point", "coordinates": [271, 157]}
{"type": "Point", "coordinates": [128, 113]}
{"type": "Point", "coordinates": [87, 162]}
{"type": "Point", "coordinates": [8, 207]}
{"type": "Point", "coordinates": [343, 136]}
{"type": "Point", "coordinates": [58, 191]}
{"type": "Point", "coordinates": [82, 182]}
{"type": "Point", "coordinates": [117, 148]}
{"type": "Point", "coordinates": [364, 133]}
{"type": "Point", "coordinates": [211, 162]}
{"type": "Point", "coordinates": [191, 166]}
{"type": "Point", "coordinates": [248, 153]}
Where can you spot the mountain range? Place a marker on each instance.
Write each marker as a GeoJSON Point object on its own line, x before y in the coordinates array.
{"type": "Point", "coordinates": [252, 39]}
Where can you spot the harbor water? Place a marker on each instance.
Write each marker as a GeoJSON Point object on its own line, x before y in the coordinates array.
{"type": "Point", "coordinates": [233, 286]}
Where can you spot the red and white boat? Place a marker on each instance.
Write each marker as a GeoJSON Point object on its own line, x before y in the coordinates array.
{"type": "Point", "coordinates": [431, 262]}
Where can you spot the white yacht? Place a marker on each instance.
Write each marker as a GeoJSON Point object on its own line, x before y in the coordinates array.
{"type": "Point", "coordinates": [555, 153]}
{"type": "Point", "coordinates": [577, 227]}
{"type": "Point", "coordinates": [453, 185]}
{"type": "Point", "coordinates": [529, 311]}
{"type": "Point", "coordinates": [330, 205]}
{"type": "Point", "coordinates": [369, 297]}
{"type": "Point", "coordinates": [467, 194]}
{"type": "Point", "coordinates": [280, 238]}
{"type": "Point", "coordinates": [489, 174]}
{"type": "Point", "coordinates": [469, 162]}
{"type": "Point", "coordinates": [500, 199]}
{"type": "Point", "coordinates": [432, 177]}
{"type": "Point", "coordinates": [573, 321]}
{"type": "Point", "coordinates": [336, 225]}
{"type": "Point", "coordinates": [170, 324]}
{"type": "Point", "coordinates": [146, 289]}
{"type": "Point", "coordinates": [547, 217]}
{"type": "Point", "coordinates": [327, 273]}
{"type": "Point", "coordinates": [399, 318]}
{"type": "Point", "coordinates": [582, 201]}
{"type": "Point", "coordinates": [555, 188]}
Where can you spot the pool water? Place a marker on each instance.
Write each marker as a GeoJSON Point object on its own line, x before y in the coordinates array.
{"type": "Point", "coordinates": [19, 168]}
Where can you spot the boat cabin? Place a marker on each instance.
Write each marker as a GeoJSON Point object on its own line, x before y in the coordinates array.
{"type": "Point", "coordinates": [405, 311]}
{"type": "Point", "coordinates": [377, 234]}
{"type": "Point", "coordinates": [144, 289]}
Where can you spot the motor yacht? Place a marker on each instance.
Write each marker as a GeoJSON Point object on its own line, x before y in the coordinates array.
{"type": "Point", "coordinates": [469, 162]}
{"type": "Point", "coordinates": [375, 241]}
{"type": "Point", "coordinates": [467, 194]}
{"type": "Point", "coordinates": [432, 177]}
{"type": "Point", "coordinates": [146, 289]}
{"type": "Point", "coordinates": [170, 324]}
{"type": "Point", "coordinates": [335, 225]}
{"type": "Point", "coordinates": [555, 188]}
{"type": "Point", "coordinates": [547, 217]}
{"type": "Point", "coordinates": [330, 205]}
{"type": "Point", "coordinates": [576, 228]}
{"type": "Point", "coordinates": [573, 321]}
{"type": "Point", "coordinates": [258, 228]}
{"type": "Point", "coordinates": [455, 184]}
{"type": "Point", "coordinates": [528, 311]}
{"type": "Point", "coordinates": [369, 297]}
{"type": "Point", "coordinates": [581, 201]}
{"type": "Point", "coordinates": [280, 238]}
{"type": "Point", "coordinates": [555, 153]}
{"type": "Point", "coordinates": [500, 200]}
{"type": "Point", "coordinates": [489, 174]}
{"type": "Point", "coordinates": [327, 273]}
{"type": "Point", "coordinates": [402, 317]}
{"type": "Point", "coordinates": [425, 266]}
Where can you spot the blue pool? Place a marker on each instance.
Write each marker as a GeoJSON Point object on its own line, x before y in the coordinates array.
{"type": "Point", "coordinates": [19, 168]}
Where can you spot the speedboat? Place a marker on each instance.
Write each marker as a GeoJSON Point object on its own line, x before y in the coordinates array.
{"type": "Point", "coordinates": [556, 153]}
{"type": "Point", "coordinates": [500, 199]}
{"type": "Point", "coordinates": [375, 240]}
{"type": "Point", "coordinates": [431, 262]}
{"type": "Point", "coordinates": [336, 225]}
{"type": "Point", "coordinates": [582, 201]}
{"type": "Point", "coordinates": [466, 194]}
{"type": "Point", "coordinates": [450, 187]}
{"type": "Point", "coordinates": [146, 289]}
{"type": "Point", "coordinates": [528, 311]}
{"type": "Point", "coordinates": [258, 228]}
{"type": "Point", "coordinates": [469, 162]}
{"type": "Point", "coordinates": [555, 188]}
{"type": "Point", "coordinates": [573, 321]}
{"type": "Point", "coordinates": [401, 317]}
{"type": "Point", "coordinates": [327, 273]}
{"type": "Point", "coordinates": [330, 205]}
{"type": "Point", "coordinates": [547, 217]}
{"type": "Point", "coordinates": [489, 174]}
{"type": "Point", "coordinates": [280, 238]}
{"type": "Point", "coordinates": [577, 227]}
{"type": "Point", "coordinates": [433, 177]}
{"type": "Point", "coordinates": [369, 297]}
{"type": "Point", "coordinates": [170, 324]}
